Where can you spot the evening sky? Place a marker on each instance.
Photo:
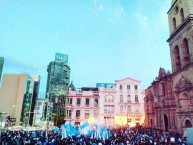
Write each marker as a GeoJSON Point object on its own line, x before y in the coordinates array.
{"type": "Point", "coordinates": [106, 40]}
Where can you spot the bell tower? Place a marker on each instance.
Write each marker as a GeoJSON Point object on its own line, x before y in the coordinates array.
{"type": "Point", "coordinates": [180, 17]}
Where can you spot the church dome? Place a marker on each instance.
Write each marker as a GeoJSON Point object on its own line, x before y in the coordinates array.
{"type": "Point", "coordinates": [71, 87]}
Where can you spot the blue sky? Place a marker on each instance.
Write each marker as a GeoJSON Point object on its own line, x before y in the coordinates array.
{"type": "Point", "coordinates": [106, 40]}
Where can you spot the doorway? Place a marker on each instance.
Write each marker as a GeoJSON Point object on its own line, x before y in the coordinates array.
{"type": "Point", "coordinates": [166, 122]}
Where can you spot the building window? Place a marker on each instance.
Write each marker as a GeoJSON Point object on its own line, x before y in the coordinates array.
{"type": "Point", "coordinates": [87, 102]}
{"type": "Point", "coordinates": [177, 58]}
{"type": "Point", "coordinates": [95, 113]}
{"type": "Point", "coordinates": [186, 52]}
{"type": "Point", "coordinates": [121, 98]}
{"type": "Point", "coordinates": [128, 87]}
{"type": "Point", "coordinates": [128, 98]}
{"type": "Point", "coordinates": [77, 113]}
{"type": "Point", "coordinates": [174, 23]}
{"type": "Point", "coordinates": [182, 15]}
{"type": "Point", "coordinates": [136, 98]}
{"type": "Point", "coordinates": [69, 113]}
{"type": "Point", "coordinates": [86, 114]}
{"type": "Point", "coordinates": [70, 101]}
{"type": "Point", "coordinates": [121, 87]}
{"type": "Point", "coordinates": [96, 102]}
{"type": "Point", "coordinates": [109, 98]}
{"type": "Point", "coordinates": [135, 87]}
{"type": "Point", "coordinates": [78, 101]}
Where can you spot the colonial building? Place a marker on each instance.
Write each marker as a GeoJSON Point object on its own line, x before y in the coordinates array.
{"type": "Point", "coordinates": [122, 103]}
{"type": "Point", "coordinates": [111, 104]}
{"type": "Point", "coordinates": [82, 105]}
{"type": "Point", "coordinates": [19, 93]}
{"type": "Point", "coordinates": [170, 97]}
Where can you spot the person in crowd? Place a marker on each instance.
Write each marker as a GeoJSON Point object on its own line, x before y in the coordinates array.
{"type": "Point", "coordinates": [119, 136]}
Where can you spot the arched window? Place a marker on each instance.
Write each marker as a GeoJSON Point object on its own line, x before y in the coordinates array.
{"type": "Point", "coordinates": [186, 53]}
{"type": "Point", "coordinates": [188, 124]}
{"type": "Point", "coordinates": [177, 58]}
{"type": "Point", "coordinates": [174, 23]}
{"type": "Point", "coordinates": [182, 15]}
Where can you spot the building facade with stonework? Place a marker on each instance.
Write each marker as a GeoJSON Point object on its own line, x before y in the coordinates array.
{"type": "Point", "coordinates": [169, 100]}
{"type": "Point", "coordinates": [82, 105]}
{"type": "Point", "coordinates": [111, 104]}
{"type": "Point", "coordinates": [122, 104]}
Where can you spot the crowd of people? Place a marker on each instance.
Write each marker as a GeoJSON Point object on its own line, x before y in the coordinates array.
{"type": "Point", "coordinates": [117, 136]}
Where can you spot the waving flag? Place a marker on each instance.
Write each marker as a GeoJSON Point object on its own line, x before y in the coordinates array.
{"type": "Point", "coordinates": [84, 125]}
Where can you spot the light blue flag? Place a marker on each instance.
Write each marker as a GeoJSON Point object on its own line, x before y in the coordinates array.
{"type": "Point", "coordinates": [84, 125]}
{"type": "Point", "coordinates": [57, 130]}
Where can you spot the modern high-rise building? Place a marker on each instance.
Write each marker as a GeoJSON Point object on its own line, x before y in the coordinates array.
{"type": "Point", "coordinates": [18, 93]}
{"type": "Point", "coordinates": [169, 99]}
{"type": "Point", "coordinates": [1, 66]}
{"type": "Point", "coordinates": [57, 84]}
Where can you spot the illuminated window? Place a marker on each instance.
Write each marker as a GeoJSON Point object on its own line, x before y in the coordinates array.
{"type": "Point", "coordinates": [86, 114]}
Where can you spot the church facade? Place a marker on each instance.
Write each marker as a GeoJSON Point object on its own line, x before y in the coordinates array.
{"type": "Point", "coordinates": [169, 99]}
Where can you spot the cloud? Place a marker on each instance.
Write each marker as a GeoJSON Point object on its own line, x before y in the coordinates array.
{"type": "Point", "coordinates": [15, 63]}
